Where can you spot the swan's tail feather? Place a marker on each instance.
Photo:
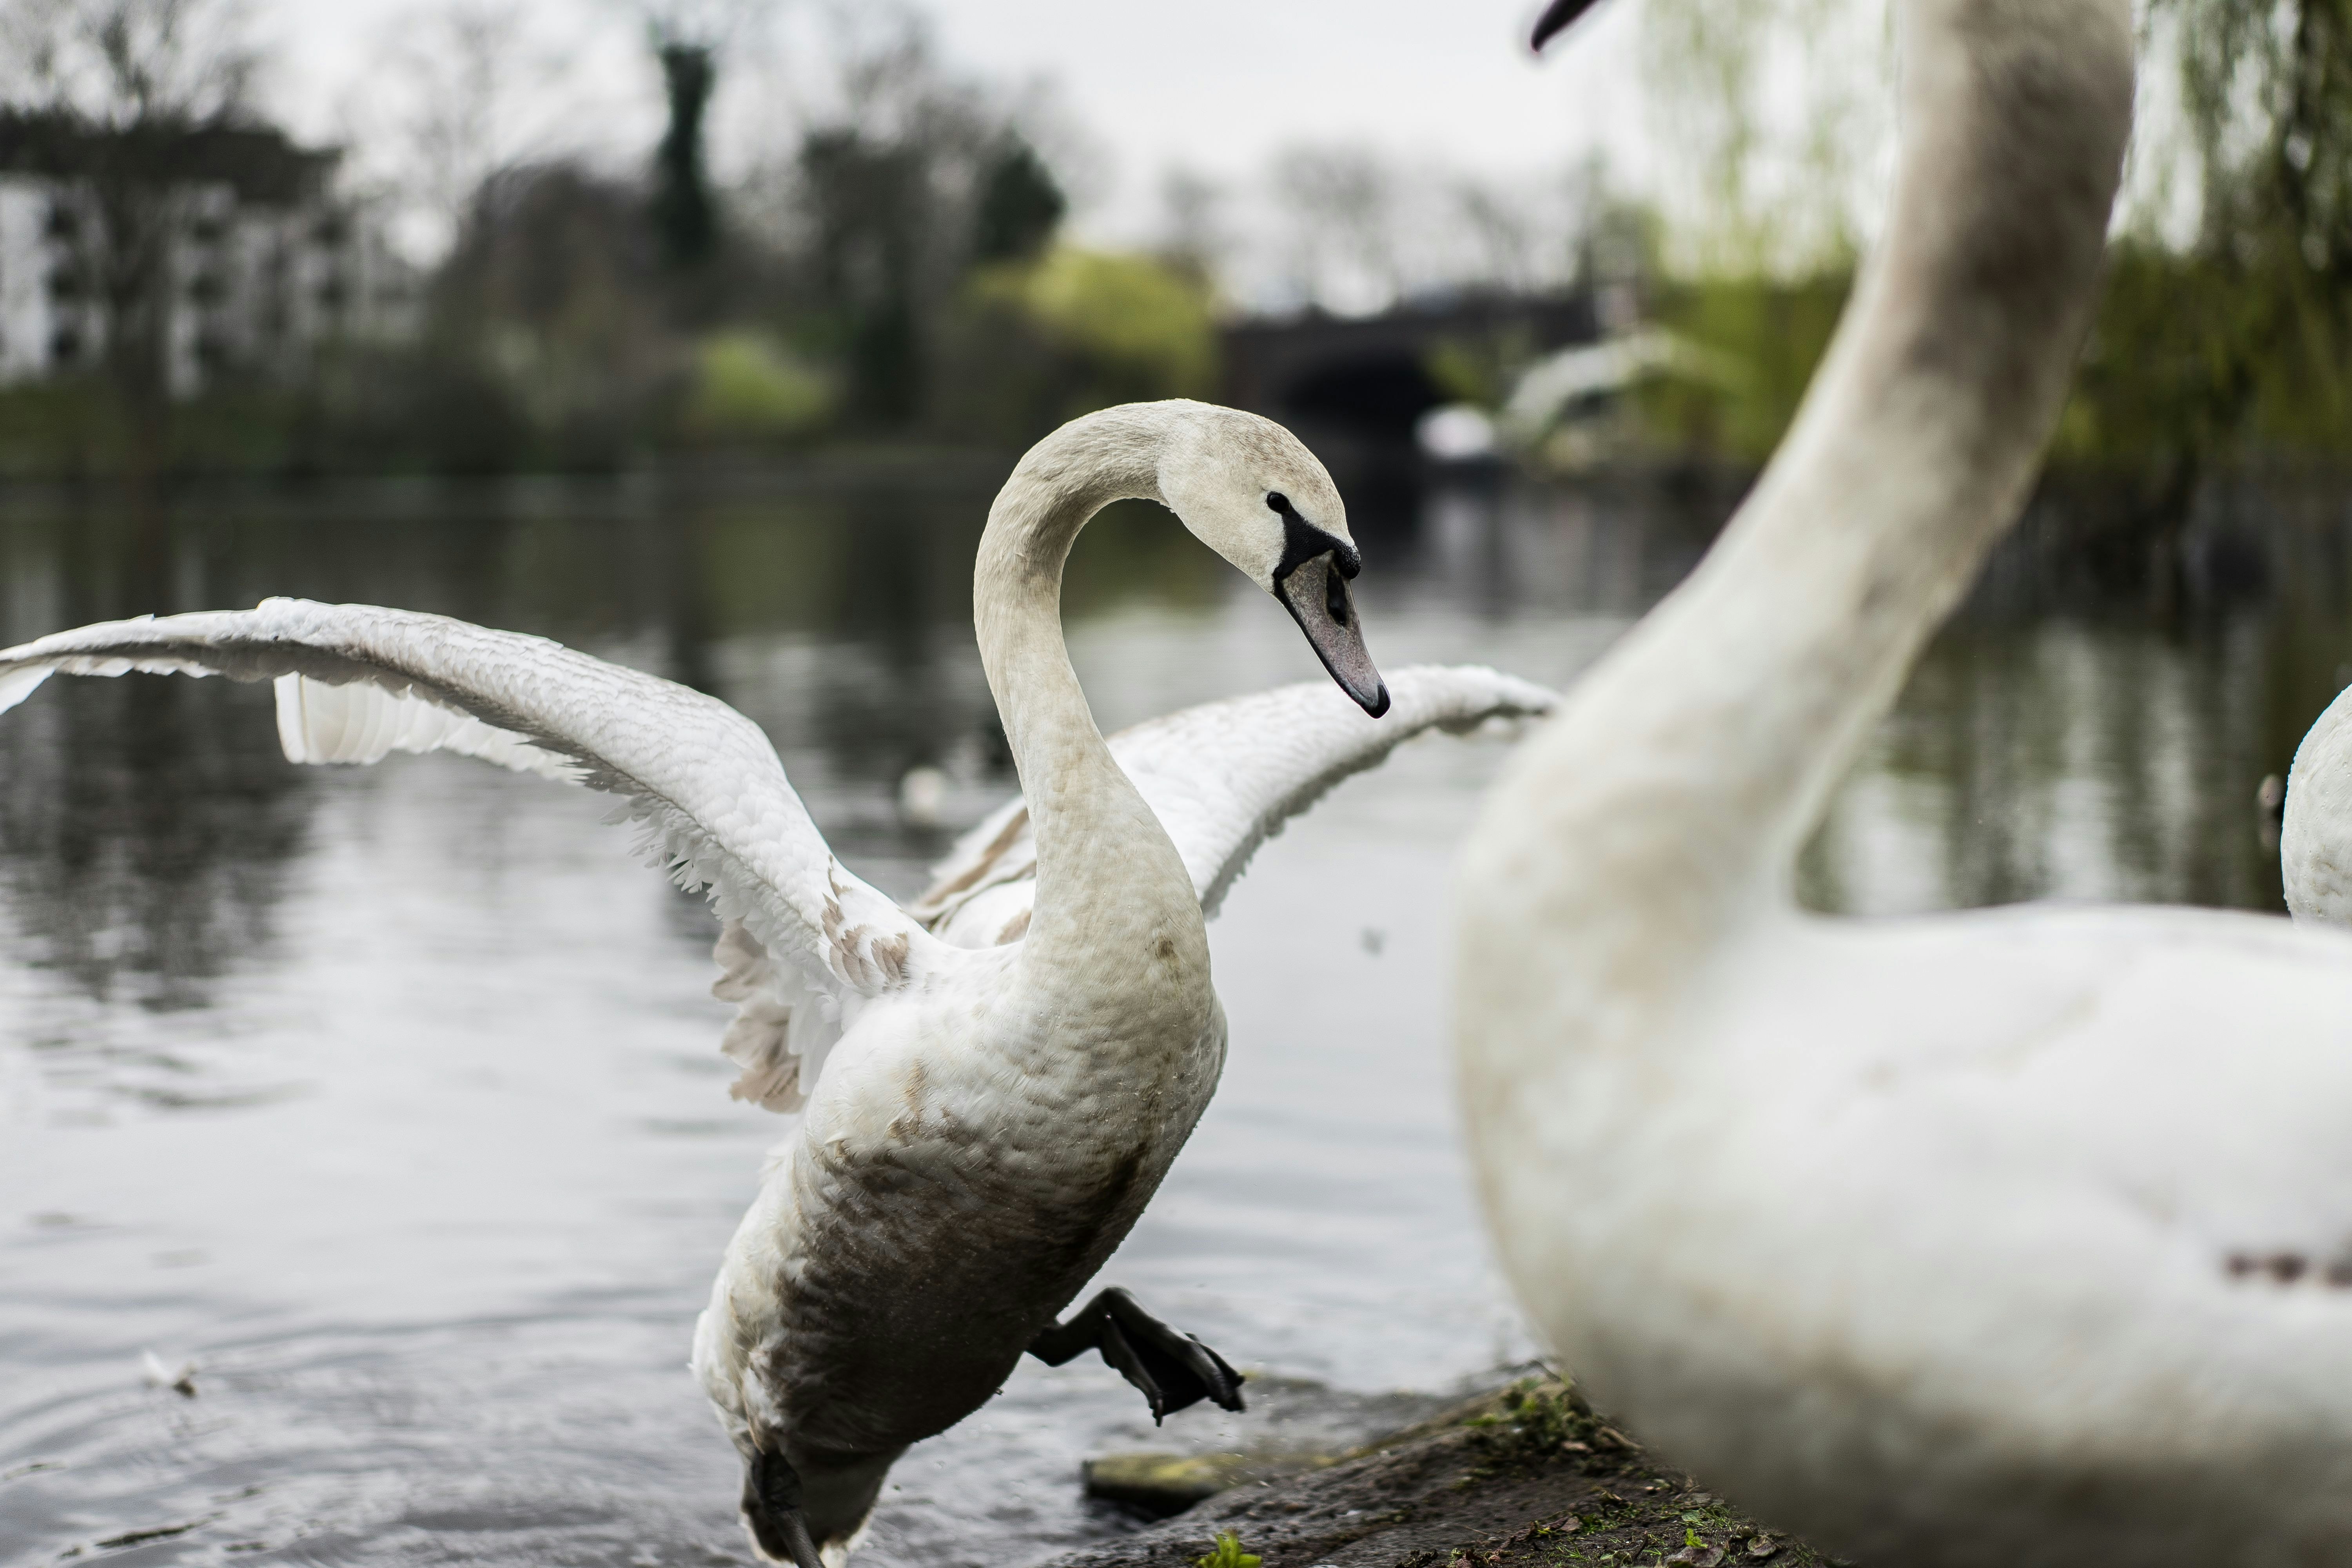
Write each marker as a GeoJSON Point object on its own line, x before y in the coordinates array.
{"type": "Point", "coordinates": [781, 1030]}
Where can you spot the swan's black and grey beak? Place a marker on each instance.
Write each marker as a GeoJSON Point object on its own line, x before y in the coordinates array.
{"type": "Point", "coordinates": [1315, 591]}
{"type": "Point", "coordinates": [1557, 16]}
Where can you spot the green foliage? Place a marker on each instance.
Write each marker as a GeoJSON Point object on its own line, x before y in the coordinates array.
{"type": "Point", "coordinates": [1534, 1422]}
{"type": "Point", "coordinates": [2238, 346]}
{"type": "Point", "coordinates": [2163, 380]}
{"type": "Point", "coordinates": [2189, 370]}
{"type": "Point", "coordinates": [746, 388]}
{"type": "Point", "coordinates": [1631, 1510]}
{"type": "Point", "coordinates": [2241, 345]}
{"type": "Point", "coordinates": [1031, 345]}
{"type": "Point", "coordinates": [1762, 340]}
{"type": "Point", "coordinates": [1132, 317]}
{"type": "Point", "coordinates": [1480, 371]}
{"type": "Point", "coordinates": [2228, 345]}
{"type": "Point", "coordinates": [2267, 90]}
{"type": "Point", "coordinates": [1228, 1553]}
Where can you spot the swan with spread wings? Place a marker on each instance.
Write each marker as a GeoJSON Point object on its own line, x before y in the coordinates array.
{"type": "Point", "coordinates": [989, 1084]}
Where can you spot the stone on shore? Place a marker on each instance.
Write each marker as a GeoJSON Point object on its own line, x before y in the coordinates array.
{"type": "Point", "coordinates": [1528, 1478]}
{"type": "Point", "coordinates": [1164, 1484]}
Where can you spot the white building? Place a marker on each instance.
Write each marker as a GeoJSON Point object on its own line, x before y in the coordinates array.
{"type": "Point", "coordinates": [259, 266]}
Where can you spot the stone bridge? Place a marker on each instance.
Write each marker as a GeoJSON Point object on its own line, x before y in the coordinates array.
{"type": "Point", "coordinates": [1353, 388]}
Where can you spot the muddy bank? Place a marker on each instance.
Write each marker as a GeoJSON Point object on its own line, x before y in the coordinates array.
{"type": "Point", "coordinates": [1527, 1477]}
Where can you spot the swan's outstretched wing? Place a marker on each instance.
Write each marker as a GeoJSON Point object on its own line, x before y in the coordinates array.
{"type": "Point", "coordinates": [356, 683]}
{"type": "Point", "coordinates": [1223, 779]}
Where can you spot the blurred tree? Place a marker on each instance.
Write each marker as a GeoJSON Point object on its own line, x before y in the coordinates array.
{"type": "Point", "coordinates": [1753, 186]}
{"type": "Point", "coordinates": [1193, 235]}
{"type": "Point", "coordinates": [1020, 206]}
{"type": "Point", "coordinates": [879, 215]}
{"type": "Point", "coordinates": [1339, 204]}
{"type": "Point", "coordinates": [1031, 344]}
{"type": "Point", "coordinates": [1505, 233]}
{"type": "Point", "coordinates": [1352, 229]}
{"type": "Point", "coordinates": [126, 100]}
{"type": "Point", "coordinates": [691, 39]}
{"type": "Point", "coordinates": [456, 103]}
{"type": "Point", "coordinates": [1757, 340]}
{"type": "Point", "coordinates": [867, 203]}
{"type": "Point", "coordinates": [684, 216]}
{"type": "Point", "coordinates": [546, 340]}
{"type": "Point", "coordinates": [2241, 345]}
{"type": "Point", "coordinates": [2230, 343]}
{"type": "Point", "coordinates": [751, 391]}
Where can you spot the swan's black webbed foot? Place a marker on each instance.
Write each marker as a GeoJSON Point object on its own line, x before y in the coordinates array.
{"type": "Point", "coordinates": [1172, 1369]}
{"type": "Point", "coordinates": [772, 1508]}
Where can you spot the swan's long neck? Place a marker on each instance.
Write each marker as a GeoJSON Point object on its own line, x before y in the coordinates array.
{"type": "Point", "coordinates": [1107, 872]}
{"type": "Point", "coordinates": [1669, 802]}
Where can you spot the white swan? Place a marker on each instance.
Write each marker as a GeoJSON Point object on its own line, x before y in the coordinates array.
{"type": "Point", "coordinates": [2314, 837]}
{"type": "Point", "coordinates": [986, 1108]}
{"type": "Point", "coordinates": [2020, 1237]}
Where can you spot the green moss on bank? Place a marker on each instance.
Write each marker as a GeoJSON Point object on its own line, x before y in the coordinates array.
{"type": "Point", "coordinates": [1530, 1477]}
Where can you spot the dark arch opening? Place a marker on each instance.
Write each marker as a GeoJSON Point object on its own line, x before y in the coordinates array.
{"type": "Point", "coordinates": [1380, 396]}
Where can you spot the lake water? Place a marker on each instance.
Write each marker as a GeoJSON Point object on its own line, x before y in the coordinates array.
{"type": "Point", "coordinates": [390, 1098]}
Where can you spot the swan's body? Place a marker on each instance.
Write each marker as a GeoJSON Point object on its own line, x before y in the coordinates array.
{"type": "Point", "coordinates": [984, 1115]}
{"type": "Point", "coordinates": [2316, 824]}
{"type": "Point", "coordinates": [2009, 1238]}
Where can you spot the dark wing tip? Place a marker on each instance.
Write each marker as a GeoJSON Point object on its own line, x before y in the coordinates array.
{"type": "Point", "coordinates": [1555, 17]}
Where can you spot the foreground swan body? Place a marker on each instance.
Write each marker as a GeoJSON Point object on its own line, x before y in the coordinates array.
{"type": "Point", "coordinates": [985, 1107]}
{"type": "Point", "coordinates": [2009, 1238]}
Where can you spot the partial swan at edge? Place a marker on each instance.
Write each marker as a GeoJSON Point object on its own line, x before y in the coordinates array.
{"type": "Point", "coordinates": [2315, 825]}
{"type": "Point", "coordinates": [982, 1115]}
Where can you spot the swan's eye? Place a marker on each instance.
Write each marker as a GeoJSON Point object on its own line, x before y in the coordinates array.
{"type": "Point", "coordinates": [1280, 502]}
{"type": "Point", "coordinates": [1335, 595]}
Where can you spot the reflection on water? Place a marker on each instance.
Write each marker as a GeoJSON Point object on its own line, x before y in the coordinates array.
{"type": "Point", "coordinates": [2068, 737]}
{"type": "Point", "coordinates": [390, 1096]}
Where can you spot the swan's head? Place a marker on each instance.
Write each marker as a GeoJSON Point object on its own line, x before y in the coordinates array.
{"type": "Point", "coordinates": [1252, 492]}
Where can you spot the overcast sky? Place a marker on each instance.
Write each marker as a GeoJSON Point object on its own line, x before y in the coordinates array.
{"type": "Point", "coordinates": [1219, 84]}
{"type": "Point", "coordinates": [1214, 85]}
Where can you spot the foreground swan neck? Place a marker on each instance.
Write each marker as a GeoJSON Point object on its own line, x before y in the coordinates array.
{"type": "Point", "coordinates": [1093, 832]}
{"type": "Point", "coordinates": [1916, 451]}
{"type": "Point", "coordinates": [1692, 764]}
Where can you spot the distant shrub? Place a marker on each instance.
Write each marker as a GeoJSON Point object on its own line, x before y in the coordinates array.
{"type": "Point", "coordinates": [746, 388]}
{"type": "Point", "coordinates": [1033, 344]}
{"type": "Point", "coordinates": [1761, 338]}
{"type": "Point", "coordinates": [2193, 362]}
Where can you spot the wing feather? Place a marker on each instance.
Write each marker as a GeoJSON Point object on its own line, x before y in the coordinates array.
{"type": "Point", "coordinates": [1224, 778]}
{"type": "Point", "coordinates": [356, 683]}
